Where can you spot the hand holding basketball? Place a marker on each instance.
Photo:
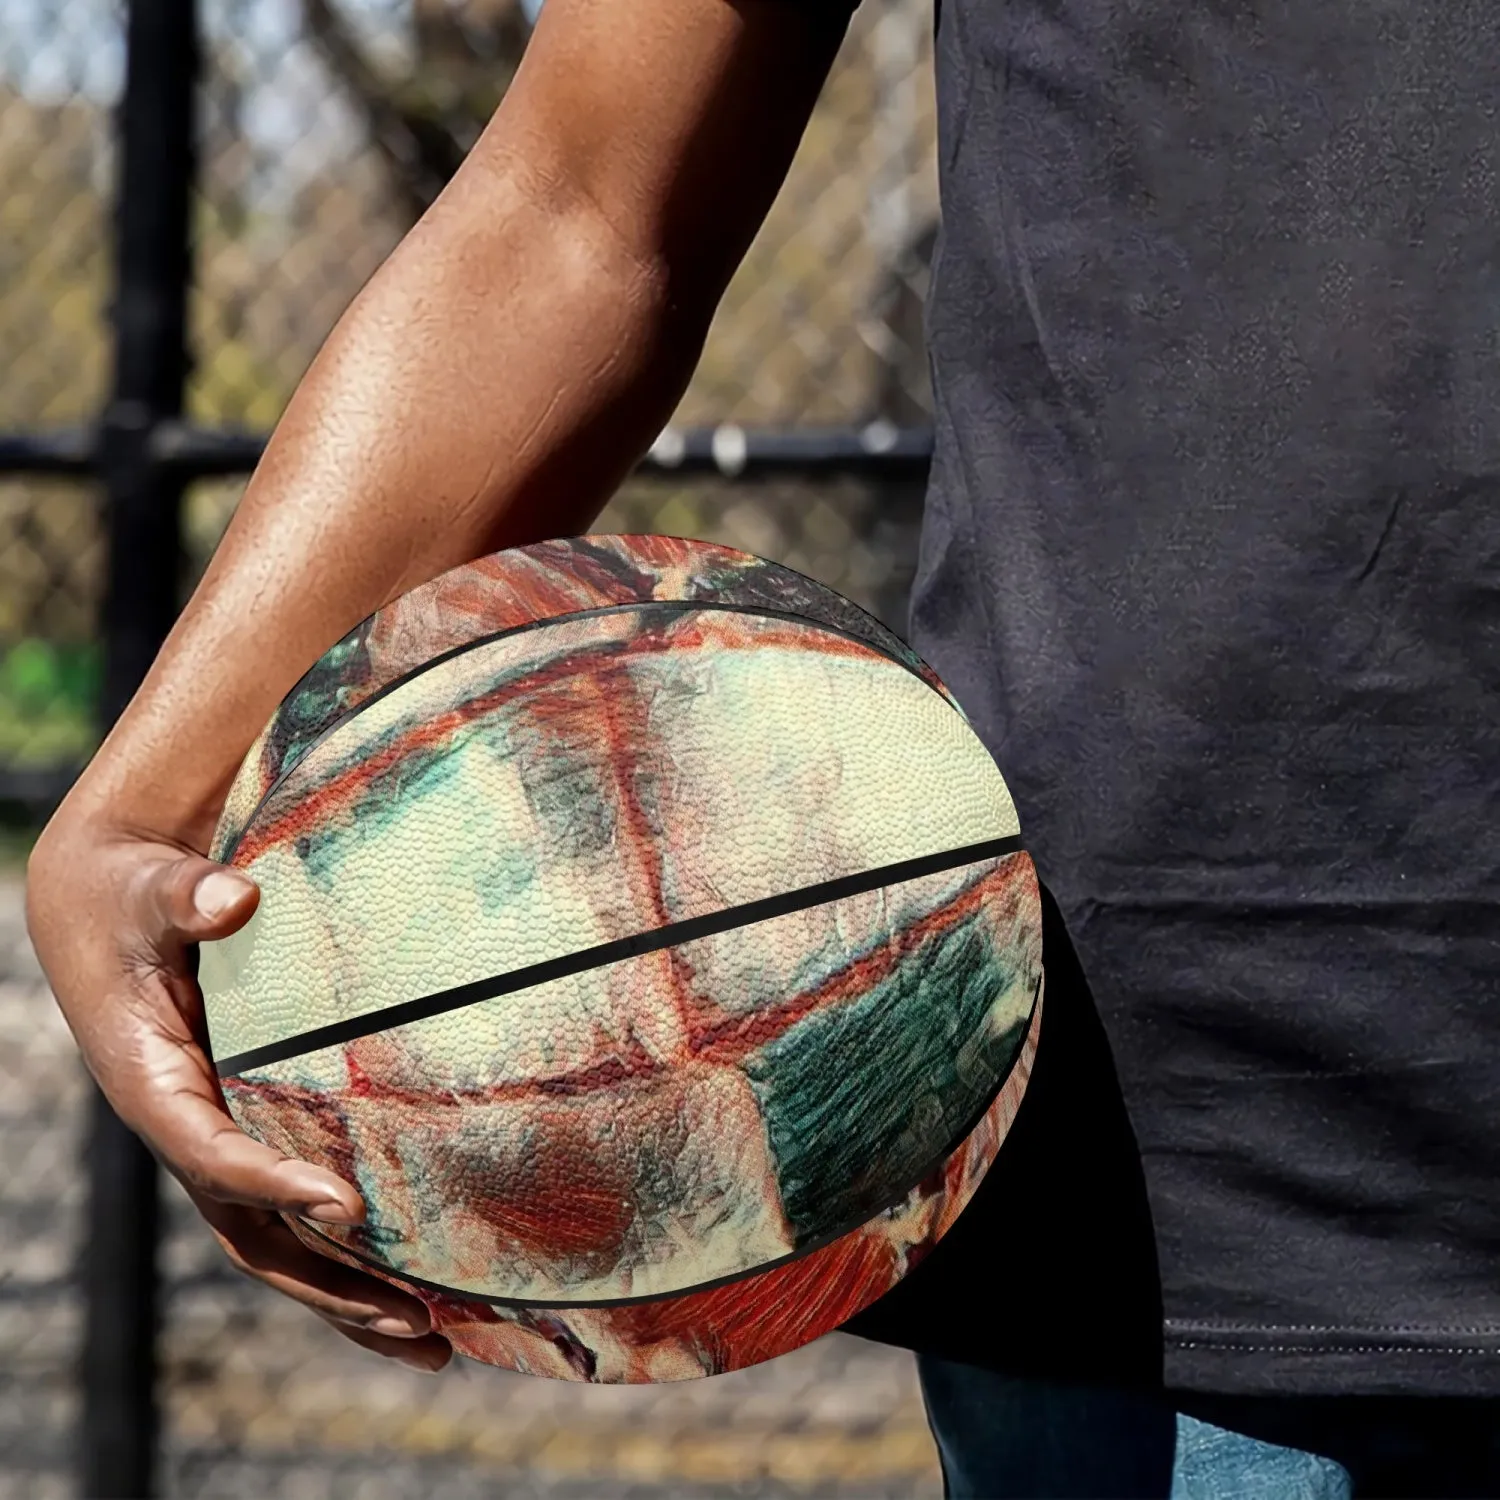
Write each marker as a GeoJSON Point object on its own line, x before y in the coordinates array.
{"type": "Point", "coordinates": [115, 919]}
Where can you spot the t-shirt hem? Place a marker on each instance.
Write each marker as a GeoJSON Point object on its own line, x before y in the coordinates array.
{"type": "Point", "coordinates": [1233, 1359]}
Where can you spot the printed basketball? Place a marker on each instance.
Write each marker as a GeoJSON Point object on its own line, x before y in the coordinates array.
{"type": "Point", "coordinates": [647, 935]}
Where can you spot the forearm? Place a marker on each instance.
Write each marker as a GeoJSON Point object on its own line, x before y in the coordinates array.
{"type": "Point", "coordinates": [491, 386]}
{"type": "Point", "coordinates": [497, 378]}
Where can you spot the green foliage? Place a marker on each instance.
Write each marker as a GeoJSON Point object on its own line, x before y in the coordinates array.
{"type": "Point", "coordinates": [48, 698]}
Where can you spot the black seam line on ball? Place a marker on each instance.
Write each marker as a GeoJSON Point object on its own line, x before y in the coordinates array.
{"type": "Point", "coordinates": [689, 930]}
{"type": "Point", "coordinates": [821, 1243]}
{"type": "Point", "coordinates": [666, 606]}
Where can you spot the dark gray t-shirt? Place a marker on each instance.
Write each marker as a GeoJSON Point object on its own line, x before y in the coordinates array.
{"type": "Point", "coordinates": [1212, 560]}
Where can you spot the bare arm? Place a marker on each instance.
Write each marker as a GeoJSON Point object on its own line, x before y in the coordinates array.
{"type": "Point", "coordinates": [500, 374]}
{"type": "Point", "coordinates": [492, 384]}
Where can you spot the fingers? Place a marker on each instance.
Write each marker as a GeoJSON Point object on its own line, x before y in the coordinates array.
{"type": "Point", "coordinates": [163, 1085]}
{"type": "Point", "coordinates": [151, 1060]}
{"type": "Point", "coordinates": [175, 1105]}
{"type": "Point", "coordinates": [428, 1354]}
{"type": "Point", "coordinates": [134, 1005]}
{"type": "Point", "coordinates": [366, 1310]}
{"type": "Point", "coordinates": [261, 1246]}
{"type": "Point", "coordinates": [115, 928]}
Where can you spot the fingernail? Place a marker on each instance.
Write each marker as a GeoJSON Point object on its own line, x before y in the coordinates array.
{"type": "Point", "coordinates": [396, 1328]}
{"type": "Point", "coordinates": [330, 1212]}
{"type": "Point", "coordinates": [217, 892]}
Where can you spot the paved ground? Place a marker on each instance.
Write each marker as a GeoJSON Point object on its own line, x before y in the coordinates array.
{"type": "Point", "coordinates": [263, 1400]}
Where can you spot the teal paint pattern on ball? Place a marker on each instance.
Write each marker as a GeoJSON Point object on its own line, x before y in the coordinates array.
{"type": "Point", "coordinates": [650, 1127]}
{"type": "Point", "coordinates": [855, 1094]}
{"type": "Point", "coordinates": [510, 590]}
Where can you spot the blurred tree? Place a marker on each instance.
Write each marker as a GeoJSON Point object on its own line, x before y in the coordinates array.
{"type": "Point", "coordinates": [464, 55]}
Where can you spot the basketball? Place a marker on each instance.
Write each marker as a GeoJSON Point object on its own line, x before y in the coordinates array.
{"type": "Point", "coordinates": [647, 935]}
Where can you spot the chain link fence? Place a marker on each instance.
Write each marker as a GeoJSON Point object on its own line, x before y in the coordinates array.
{"type": "Point", "coordinates": [305, 191]}
{"type": "Point", "coordinates": [56, 81]}
{"type": "Point", "coordinates": [325, 125]}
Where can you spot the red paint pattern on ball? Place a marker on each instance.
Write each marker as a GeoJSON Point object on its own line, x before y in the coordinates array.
{"type": "Point", "coordinates": [730, 1327]}
{"type": "Point", "coordinates": [657, 1118]}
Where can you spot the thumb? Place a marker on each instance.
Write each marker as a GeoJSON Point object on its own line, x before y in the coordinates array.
{"type": "Point", "coordinates": [190, 899]}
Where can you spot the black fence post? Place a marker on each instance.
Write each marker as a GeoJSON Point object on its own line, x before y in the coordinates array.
{"type": "Point", "coordinates": [143, 499]}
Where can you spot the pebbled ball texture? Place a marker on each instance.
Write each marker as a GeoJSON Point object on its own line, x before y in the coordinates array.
{"type": "Point", "coordinates": [662, 1163]}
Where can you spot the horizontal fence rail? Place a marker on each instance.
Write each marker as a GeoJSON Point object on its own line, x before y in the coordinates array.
{"type": "Point", "coordinates": [181, 453]}
{"type": "Point", "coordinates": [879, 450]}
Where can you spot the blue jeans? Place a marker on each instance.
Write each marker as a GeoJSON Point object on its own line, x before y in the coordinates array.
{"type": "Point", "coordinates": [1001, 1437]}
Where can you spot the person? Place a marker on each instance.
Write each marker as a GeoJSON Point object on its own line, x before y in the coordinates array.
{"type": "Point", "coordinates": [1212, 560]}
